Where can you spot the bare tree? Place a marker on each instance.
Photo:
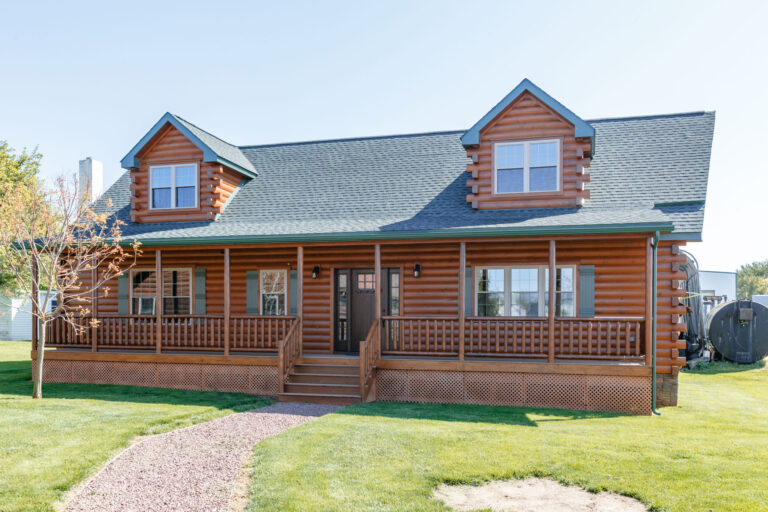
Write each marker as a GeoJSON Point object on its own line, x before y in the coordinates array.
{"type": "Point", "coordinates": [51, 239]}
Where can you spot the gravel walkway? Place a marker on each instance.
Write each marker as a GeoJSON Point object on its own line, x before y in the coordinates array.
{"type": "Point", "coordinates": [191, 469]}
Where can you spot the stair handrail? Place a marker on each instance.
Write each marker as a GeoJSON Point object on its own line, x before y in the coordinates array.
{"type": "Point", "coordinates": [288, 352]}
{"type": "Point", "coordinates": [370, 353]}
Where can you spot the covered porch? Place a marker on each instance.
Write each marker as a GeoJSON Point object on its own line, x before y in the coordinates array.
{"type": "Point", "coordinates": [408, 325]}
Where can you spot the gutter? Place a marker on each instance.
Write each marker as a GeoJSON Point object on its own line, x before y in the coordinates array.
{"type": "Point", "coordinates": [655, 246]}
{"type": "Point", "coordinates": [396, 235]}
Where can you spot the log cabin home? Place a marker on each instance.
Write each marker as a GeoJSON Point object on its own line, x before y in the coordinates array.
{"type": "Point", "coordinates": [532, 260]}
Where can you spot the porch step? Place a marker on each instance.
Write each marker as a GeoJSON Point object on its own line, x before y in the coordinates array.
{"type": "Point", "coordinates": [326, 378]}
{"type": "Point", "coordinates": [318, 398]}
{"type": "Point", "coordinates": [321, 388]}
{"type": "Point", "coordinates": [335, 360]}
{"type": "Point", "coordinates": [336, 369]}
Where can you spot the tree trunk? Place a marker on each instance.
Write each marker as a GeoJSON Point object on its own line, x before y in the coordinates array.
{"type": "Point", "coordinates": [37, 378]}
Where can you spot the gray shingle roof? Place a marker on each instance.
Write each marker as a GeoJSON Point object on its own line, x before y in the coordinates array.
{"type": "Point", "coordinates": [414, 185]}
{"type": "Point", "coordinates": [220, 147]}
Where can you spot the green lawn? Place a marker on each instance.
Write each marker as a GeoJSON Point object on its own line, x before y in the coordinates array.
{"type": "Point", "coordinates": [709, 454]}
{"type": "Point", "coordinates": [49, 445]}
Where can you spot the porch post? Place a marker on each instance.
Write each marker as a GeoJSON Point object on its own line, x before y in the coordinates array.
{"type": "Point", "coordinates": [34, 299]}
{"type": "Point", "coordinates": [377, 279]}
{"type": "Point", "coordinates": [551, 312]}
{"type": "Point", "coordinates": [158, 301]}
{"type": "Point", "coordinates": [226, 301]}
{"type": "Point", "coordinates": [300, 282]}
{"type": "Point", "coordinates": [648, 302]}
{"type": "Point", "coordinates": [94, 304]}
{"type": "Point", "coordinates": [462, 292]}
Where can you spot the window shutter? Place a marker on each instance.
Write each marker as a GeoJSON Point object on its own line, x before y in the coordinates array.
{"type": "Point", "coordinates": [200, 291]}
{"type": "Point", "coordinates": [293, 280]}
{"type": "Point", "coordinates": [252, 292]}
{"type": "Point", "coordinates": [123, 294]}
{"type": "Point", "coordinates": [587, 290]}
{"type": "Point", "coordinates": [468, 295]}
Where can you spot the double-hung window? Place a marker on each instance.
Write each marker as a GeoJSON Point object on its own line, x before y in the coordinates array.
{"type": "Point", "coordinates": [176, 291]}
{"type": "Point", "coordinates": [523, 291]}
{"type": "Point", "coordinates": [274, 289]}
{"type": "Point", "coordinates": [529, 166]}
{"type": "Point", "coordinates": [173, 186]}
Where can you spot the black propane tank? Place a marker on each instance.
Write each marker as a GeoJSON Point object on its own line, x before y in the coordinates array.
{"type": "Point", "coordinates": [739, 330]}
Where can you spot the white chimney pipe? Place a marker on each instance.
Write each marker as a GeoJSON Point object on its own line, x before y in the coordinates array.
{"type": "Point", "coordinates": [91, 178]}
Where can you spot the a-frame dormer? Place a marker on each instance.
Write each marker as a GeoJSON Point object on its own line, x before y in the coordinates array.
{"type": "Point", "coordinates": [529, 151]}
{"type": "Point", "coordinates": [180, 172]}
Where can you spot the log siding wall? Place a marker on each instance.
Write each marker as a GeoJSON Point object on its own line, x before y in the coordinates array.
{"type": "Point", "coordinates": [216, 182]}
{"type": "Point", "coordinates": [620, 278]}
{"type": "Point", "coordinates": [527, 118]}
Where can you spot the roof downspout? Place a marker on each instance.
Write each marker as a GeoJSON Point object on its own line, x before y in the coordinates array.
{"type": "Point", "coordinates": [655, 246]}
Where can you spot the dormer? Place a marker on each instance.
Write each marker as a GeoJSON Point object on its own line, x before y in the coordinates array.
{"type": "Point", "coordinates": [529, 151]}
{"type": "Point", "coordinates": [180, 172]}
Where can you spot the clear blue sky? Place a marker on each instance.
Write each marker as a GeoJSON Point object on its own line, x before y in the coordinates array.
{"type": "Point", "coordinates": [89, 79]}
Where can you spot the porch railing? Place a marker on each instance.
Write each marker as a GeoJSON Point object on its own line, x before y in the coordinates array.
{"type": "Point", "coordinates": [433, 335]}
{"type": "Point", "coordinates": [258, 333]}
{"type": "Point", "coordinates": [289, 351]}
{"type": "Point", "coordinates": [575, 338]}
{"type": "Point", "coordinates": [370, 352]}
{"type": "Point", "coordinates": [204, 333]}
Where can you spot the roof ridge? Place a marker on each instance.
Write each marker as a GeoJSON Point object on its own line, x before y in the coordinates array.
{"type": "Point", "coordinates": [350, 139]}
{"type": "Point", "coordinates": [652, 116]}
{"type": "Point", "coordinates": [449, 132]}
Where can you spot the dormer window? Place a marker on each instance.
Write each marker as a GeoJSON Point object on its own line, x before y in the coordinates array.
{"type": "Point", "coordinates": [173, 186]}
{"type": "Point", "coordinates": [530, 166]}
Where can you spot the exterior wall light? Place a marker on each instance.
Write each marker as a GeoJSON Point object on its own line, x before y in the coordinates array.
{"type": "Point", "coordinates": [416, 270]}
{"type": "Point", "coordinates": [315, 272]}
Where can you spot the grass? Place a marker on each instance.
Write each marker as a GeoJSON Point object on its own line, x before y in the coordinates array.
{"type": "Point", "coordinates": [49, 445]}
{"type": "Point", "coordinates": [708, 454]}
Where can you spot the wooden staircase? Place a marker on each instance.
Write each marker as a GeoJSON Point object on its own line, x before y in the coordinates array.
{"type": "Point", "coordinates": [323, 380]}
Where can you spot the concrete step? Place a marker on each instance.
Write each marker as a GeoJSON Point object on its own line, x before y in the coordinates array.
{"type": "Point", "coordinates": [321, 388]}
{"type": "Point", "coordinates": [337, 369]}
{"type": "Point", "coordinates": [317, 398]}
{"type": "Point", "coordinates": [325, 378]}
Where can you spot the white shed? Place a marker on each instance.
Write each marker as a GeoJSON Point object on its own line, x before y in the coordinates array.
{"type": "Point", "coordinates": [16, 318]}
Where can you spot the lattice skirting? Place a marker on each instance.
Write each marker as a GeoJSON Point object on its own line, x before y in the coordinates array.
{"type": "Point", "coordinates": [621, 394]}
{"type": "Point", "coordinates": [255, 380]}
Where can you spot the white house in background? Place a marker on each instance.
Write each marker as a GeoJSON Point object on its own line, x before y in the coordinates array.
{"type": "Point", "coordinates": [16, 317]}
{"type": "Point", "coordinates": [716, 287]}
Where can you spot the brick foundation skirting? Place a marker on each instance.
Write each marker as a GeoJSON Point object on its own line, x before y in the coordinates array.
{"type": "Point", "coordinates": [609, 393]}
{"type": "Point", "coordinates": [255, 380]}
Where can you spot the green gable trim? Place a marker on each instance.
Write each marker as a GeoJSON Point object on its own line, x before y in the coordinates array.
{"type": "Point", "coordinates": [678, 203]}
{"type": "Point", "coordinates": [209, 154]}
{"type": "Point", "coordinates": [645, 227]}
{"type": "Point", "coordinates": [581, 127]}
{"type": "Point", "coordinates": [687, 237]}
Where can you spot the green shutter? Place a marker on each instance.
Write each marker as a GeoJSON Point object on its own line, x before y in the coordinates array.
{"type": "Point", "coordinates": [587, 290]}
{"type": "Point", "coordinates": [252, 292]}
{"type": "Point", "coordinates": [293, 278]}
{"type": "Point", "coordinates": [123, 294]}
{"type": "Point", "coordinates": [200, 291]}
{"type": "Point", "coordinates": [468, 295]}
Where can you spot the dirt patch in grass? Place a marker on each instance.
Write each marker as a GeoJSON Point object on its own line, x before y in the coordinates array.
{"type": "Point", "coordinates": [533, 495]}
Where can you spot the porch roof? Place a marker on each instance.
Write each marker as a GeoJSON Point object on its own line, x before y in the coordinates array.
{"type": "Point", "coordinates": [650, 174]}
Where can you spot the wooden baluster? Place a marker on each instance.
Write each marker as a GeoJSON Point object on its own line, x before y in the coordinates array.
{"type": "Point", "coordinates": [627, 349]}
{"type": "Point", "coordinates": [571, 344]}
{"type": "Point", "coordinates": [426, 335]}
{"type": "Point", "coordinates": [637, 338]}
{"type": "Point", "coordinates": [589, 338]}
{"type": "Point", "coordinates": [497, 337]}
{"type": "Point", "coordinates": [608, 339]}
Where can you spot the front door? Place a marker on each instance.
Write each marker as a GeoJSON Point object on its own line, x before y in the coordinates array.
{"type": "Point", "coordinates": [355, 296]}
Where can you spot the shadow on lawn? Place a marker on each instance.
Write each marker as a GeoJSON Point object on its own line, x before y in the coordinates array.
{"type": "Point", "coordinates": [16, 380]}
{"type": "Point", "coordinates": [524, 416]}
